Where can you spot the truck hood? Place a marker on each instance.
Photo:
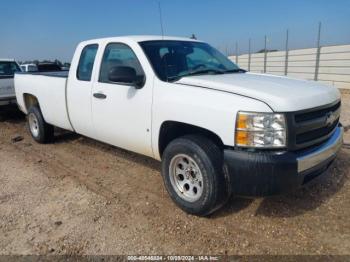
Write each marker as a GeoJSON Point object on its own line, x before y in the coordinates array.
{"type": "Point", "coordinates": [282, 94]}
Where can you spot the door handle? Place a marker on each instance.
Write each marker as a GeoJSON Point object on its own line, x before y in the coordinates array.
{"type": "Point", "coordinates": [100, 96]}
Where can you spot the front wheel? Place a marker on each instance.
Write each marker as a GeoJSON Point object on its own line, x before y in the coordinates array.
{"type": "Point", "coordinates": [41, 131]}
{"type": "Point", "coordinates": [192, 169]}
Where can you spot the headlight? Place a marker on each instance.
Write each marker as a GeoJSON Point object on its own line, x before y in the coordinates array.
{"type": "Point", "coordinates": [263, 130]}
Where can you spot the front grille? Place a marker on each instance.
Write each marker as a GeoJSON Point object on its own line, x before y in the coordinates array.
{"type": "Point", "coordinates": [313, 126]}
{"type": "Point", "coordinates": [315, 134]}
{"type": "Point", "coordinates": [300, 117]}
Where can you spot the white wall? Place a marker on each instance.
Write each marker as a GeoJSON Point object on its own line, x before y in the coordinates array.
{"type": "Point", "coordinates": [334, 67]}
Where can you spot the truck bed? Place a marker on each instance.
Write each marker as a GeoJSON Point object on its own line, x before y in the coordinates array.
{"type": "Point", "coordinates": [63, 74]}
{"type": "Point", "coordinates": [49, 88]}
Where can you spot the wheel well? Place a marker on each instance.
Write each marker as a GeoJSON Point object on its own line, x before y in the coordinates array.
{"type": "Point", "coordinates": [30, 100]}
{"type": "Point", "coordinates": [171, 130]}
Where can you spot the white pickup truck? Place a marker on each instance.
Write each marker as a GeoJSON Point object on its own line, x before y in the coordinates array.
{"type": "Point", "coordinates": [217, 129]}
{"type": "Point", "coordinates": [7, 91]}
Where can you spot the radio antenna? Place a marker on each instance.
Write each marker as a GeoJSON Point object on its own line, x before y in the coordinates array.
{"type": "Point", "coordinates": [161, 19]}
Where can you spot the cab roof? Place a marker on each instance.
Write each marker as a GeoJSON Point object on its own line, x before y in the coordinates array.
{"type": "Point", "coordinates": [142, 38]}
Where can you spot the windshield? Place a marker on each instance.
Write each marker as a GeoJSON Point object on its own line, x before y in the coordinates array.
{"type": "Point", "coordinates": [172, 60]}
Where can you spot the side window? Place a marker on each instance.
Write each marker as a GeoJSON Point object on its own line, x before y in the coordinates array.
{"type": "Point", "coordinates": [86, 62]}
{"type": "Point", "coordinates": [117, 54]}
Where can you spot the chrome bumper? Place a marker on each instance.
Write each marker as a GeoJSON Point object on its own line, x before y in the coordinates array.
{"type": "Point", "coordinates": [326, 151]}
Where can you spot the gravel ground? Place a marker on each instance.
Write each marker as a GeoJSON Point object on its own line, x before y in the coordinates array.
{"type": "Point", "coordinates": [79, 196]}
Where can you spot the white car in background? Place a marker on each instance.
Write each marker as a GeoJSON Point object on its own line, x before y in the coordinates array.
{"type": "Point", "coordinates": [8, 67]}
{"type": "Point", "coordinates": [29, 68]}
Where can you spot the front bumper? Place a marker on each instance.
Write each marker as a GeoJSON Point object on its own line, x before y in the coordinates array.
{"type": "Point", "coordinates": [271, 173]}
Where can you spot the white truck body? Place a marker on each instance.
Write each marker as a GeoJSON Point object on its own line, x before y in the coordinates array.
{"type": "Point", "coordinates": [133, 118]}
{"type": "Point", "coordinates": [7, 90]}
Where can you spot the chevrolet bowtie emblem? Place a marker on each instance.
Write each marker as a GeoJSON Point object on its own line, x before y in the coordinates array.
{"type": "Point", "coordinates": [330, 118]}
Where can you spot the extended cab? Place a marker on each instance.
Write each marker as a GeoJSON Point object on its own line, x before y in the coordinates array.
{"type": "Point", "coordinates": [216, 128]}
{"type": "Point", "coordinates": [7, 91]}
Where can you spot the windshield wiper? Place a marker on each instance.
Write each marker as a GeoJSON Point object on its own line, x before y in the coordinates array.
{"type": "Point", "coordinates": [238, 70]}
{"type": "Point", "coordinates": [205, 71]}
{"type": "Point", "coordinates": [173, 78]}
{"type": "Point", "coordinates": [198, 72]}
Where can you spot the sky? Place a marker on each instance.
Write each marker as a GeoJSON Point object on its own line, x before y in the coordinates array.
{"type": "Point", "coordinates": [50, 29]}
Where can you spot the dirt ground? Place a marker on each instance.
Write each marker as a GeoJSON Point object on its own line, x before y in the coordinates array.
{"type": "Point", "coordinates": [79, 196]}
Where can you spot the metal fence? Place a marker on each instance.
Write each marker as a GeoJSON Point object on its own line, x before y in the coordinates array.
{"type": "Point", "coordinates": [328, 64]}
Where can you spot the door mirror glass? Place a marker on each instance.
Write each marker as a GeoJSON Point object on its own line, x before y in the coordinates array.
{"type": "Point", "coordinates": [125, 75]}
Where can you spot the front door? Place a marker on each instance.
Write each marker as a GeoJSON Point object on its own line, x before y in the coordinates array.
{"type": "Point", "coordinates": [122, 113]}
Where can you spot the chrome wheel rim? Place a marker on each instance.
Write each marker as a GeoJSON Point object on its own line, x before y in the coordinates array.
{"type": "Point", "coordinates": [186, 177]}
{"type": "Point", "coordinates": [33, 124]}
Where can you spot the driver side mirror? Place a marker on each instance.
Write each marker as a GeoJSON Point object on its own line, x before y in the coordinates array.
{"type": "Point", "coordinates": [126, 75]}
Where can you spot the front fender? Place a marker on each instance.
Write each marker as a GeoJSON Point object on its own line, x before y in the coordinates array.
{"type": "Point", "coordinates": [206, 108]}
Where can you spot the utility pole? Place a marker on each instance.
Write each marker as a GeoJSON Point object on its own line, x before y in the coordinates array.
{"type": "Point", "coordinates": [287, 54]}
{"type": "Point", "coordinates": [265, 54]}
{"type": "Point", "coordinates": [318, 52]}
{"type": "Point", "coordinates": [249, 55]}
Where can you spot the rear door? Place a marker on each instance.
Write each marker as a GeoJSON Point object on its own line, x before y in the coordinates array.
{"type": "Point", "coordinates": [7, 70]}
{"type": "Point", "coordinates": [79, 88]}
{"type": "Point", "coordinates": [122, 113]}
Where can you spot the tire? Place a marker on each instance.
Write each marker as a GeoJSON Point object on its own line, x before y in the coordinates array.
{"type": "Point", "coordinates": [212, 186]}
{"type": "Point", "coordinates": [41, 131]}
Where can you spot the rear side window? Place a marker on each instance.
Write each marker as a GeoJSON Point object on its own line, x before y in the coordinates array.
{"type": "Point", "coordinates": [86, 62]}
{"type": "Point", "coordinates": [8, 68]}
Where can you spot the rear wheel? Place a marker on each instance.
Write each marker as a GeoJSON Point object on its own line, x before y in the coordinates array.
{"type": "Point", "coordinates": [192, 169]}
{"type": "Point", "coordinates": [41, 131]}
